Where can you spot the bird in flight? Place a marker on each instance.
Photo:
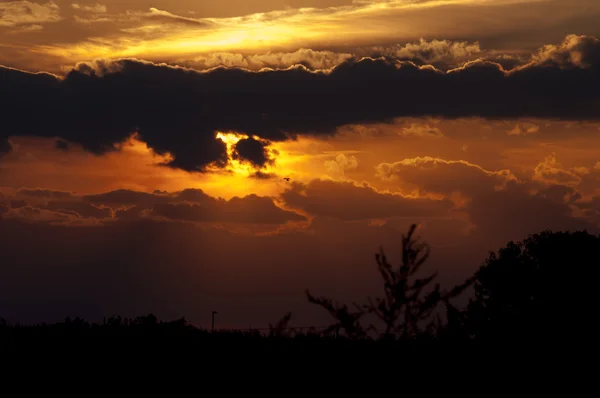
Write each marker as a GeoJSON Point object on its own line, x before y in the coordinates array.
{"type": "Point", "coordinates": [287, 179]}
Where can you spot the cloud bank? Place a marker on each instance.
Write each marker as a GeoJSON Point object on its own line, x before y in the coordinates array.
{"type": "Point", "coordinates": [178, 111]}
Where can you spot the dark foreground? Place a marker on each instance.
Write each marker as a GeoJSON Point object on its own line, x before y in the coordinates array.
{"type": "Point", "coordinates": [534, 294]}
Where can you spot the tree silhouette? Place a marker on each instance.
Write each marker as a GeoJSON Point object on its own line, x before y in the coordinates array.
{"type": "Point", "coordinates": [406, 303]}
{"type": "Point", "coordinates": [537, 287]}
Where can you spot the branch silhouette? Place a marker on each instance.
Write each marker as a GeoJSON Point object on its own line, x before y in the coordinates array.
{"type": "Point", "coordinates": [405, 303]}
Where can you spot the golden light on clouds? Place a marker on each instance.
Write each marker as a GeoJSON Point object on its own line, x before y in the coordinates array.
{"type": "Point", "coordinates": [159, 34]}
{"type": "Point", "coordinates": [298, 160]}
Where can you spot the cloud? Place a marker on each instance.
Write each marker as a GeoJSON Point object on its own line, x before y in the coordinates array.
{"type": "Point", "coordinates": [249, 210]}
{"type": "Point", "coordinates": [196, 206]}
{"type": "Point", "coordinates": [309, 58]}
{"type": "Point", "coordinates": [507, 61]}
{"type": "Point", "coordinates": [550, 171]}
{"type": "Point", "coordinates": [60, 144]}
{"type": "Point", "coordinates": [574, 51]}
{"type": "Point", "coordinates": [78, 208]}
{"type": "Point", "coordinates": [29, 214]}
{"type": "Point", "coordinates": [178, 111]}
{"type": "Point", "coordinates": [93, 19]}
{"type": "Point", "coordinates": [94, 8]}
{"type": "Point", "coordinates": [347, 201]}
{"type": "Point", "coordinates": [440, 53]}
{"type": "Point", "coordinates": [440, 176]}
{"type": "Point", "coordinates": [167, 17]}
{"type": "Point", "coordinates": [497, 204]}
{"type": "Point", "coordinates": [341, 163]}
{"type": "Point", "coordinates": [26, 29]}
{"type": "Point", "coordinates": [586, 180]}
{"type": "Point", "coordinates": [125, 197]}
{"type": "Point", "coordinates": [160, 35]}
{"type": "Point", "coordinates": [16, 13]}
{"type": "Point", "coordinates": [39, 193]}
{"type": "Point", "coordinates": [524, 129]}
{"type": "Point", "coordinates": [254, 151]}
{"type": "Point", "coordinates": [146, 23]}
{"type": "Point", "coordinates": [421, 130]}
{"type": "Point", "coordinates": [190, 205]}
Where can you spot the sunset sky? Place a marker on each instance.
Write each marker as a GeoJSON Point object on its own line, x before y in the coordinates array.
{"type": "Point", "coordinates": [144, 146]}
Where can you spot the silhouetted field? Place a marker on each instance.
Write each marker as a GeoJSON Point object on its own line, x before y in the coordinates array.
{"type": "Point", "coordinates": [527, 292]}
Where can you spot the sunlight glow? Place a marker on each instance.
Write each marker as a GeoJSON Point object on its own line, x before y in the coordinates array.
{"type": "Point", "coordinates": [259, 31]}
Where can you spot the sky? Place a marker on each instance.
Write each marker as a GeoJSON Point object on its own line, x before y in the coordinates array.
{"type": "Point", "coordinates": [144, 147]}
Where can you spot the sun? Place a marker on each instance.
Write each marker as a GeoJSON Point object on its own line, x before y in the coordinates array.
{"type": "Point", "coordinates": [230, 138]}
{"type": "Point", "coordinates": [236, 167]}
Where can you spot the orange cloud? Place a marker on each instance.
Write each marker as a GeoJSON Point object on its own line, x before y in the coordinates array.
{"type": "Point", "coordinates": [17, 13]}
{"type": "Point", "coordinates": [160, 34]}
{"type": "Point", "coordinates": [435, 175]}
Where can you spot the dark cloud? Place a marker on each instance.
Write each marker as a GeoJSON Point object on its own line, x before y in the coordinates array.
{"type": "Point", "coordinates": [178, 111]}
{"type": "Point", "coordinates": [187, 205]}
{"type": "Point", "coordinates": [18, 203]}
{"type": "Point", "coordinates": [63, 145]}
{"type": "Point", "coordinates": [508, 62]}
{"type": "Point", "coordinates": [560, 194]}
{"type": "Point", "coordinates": [253, 151]}
{"type": "Point", "coordinates": [5, 146]}
{"type": "Point", "coordinates": [575, 51]}
{"type": "Point", "coordinates": [44, 193]}
{"type": "Point", "coordinates": [81, 209]}
{"type": "Point", "coordinates": [260, 175]}
{"type": "Point", "coordinates": [249, 210]}
{"type": "Point", "coordinates": [125, 197]}
{"type": "Point", "coordinates": [346, 201]}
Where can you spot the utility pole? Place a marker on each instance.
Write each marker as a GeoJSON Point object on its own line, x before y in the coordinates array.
{"type": "Point", "coordinates": [213, 321]}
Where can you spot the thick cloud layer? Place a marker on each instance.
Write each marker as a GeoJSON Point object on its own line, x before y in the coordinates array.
{"type": "Point", "coordinates": [178, 111]}
{"type": "Point", "coordinates": [189, 205]}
